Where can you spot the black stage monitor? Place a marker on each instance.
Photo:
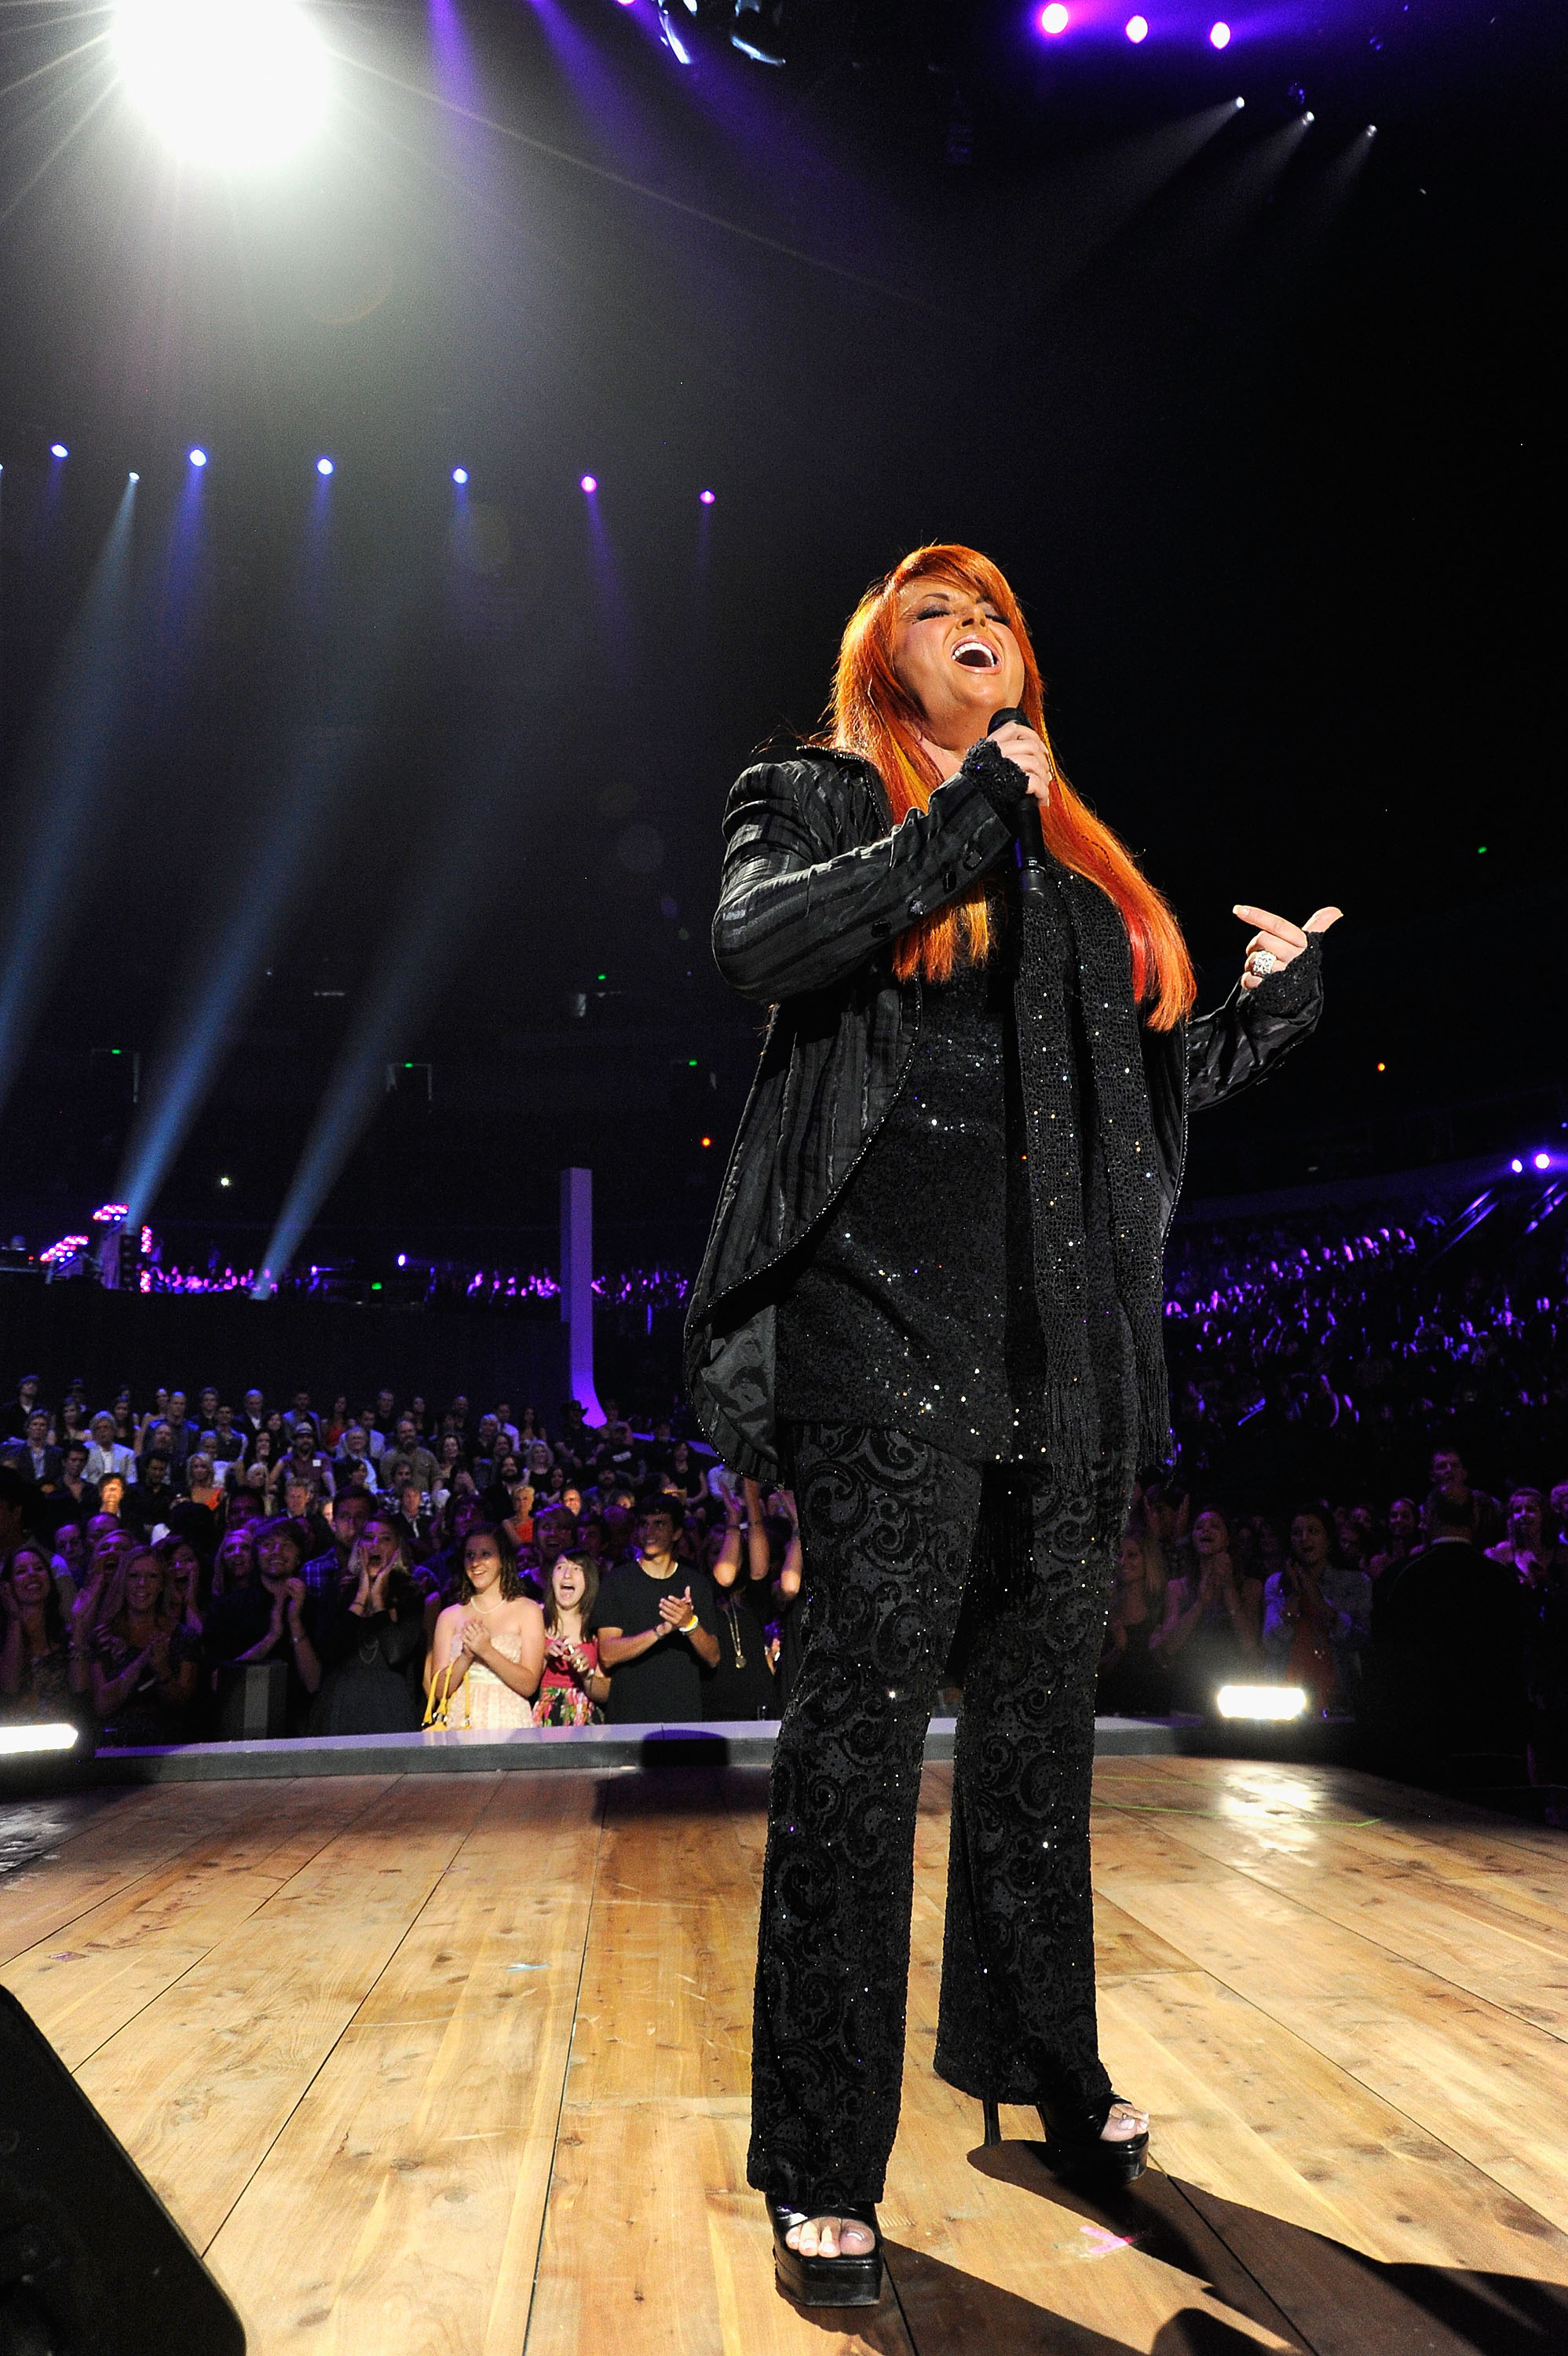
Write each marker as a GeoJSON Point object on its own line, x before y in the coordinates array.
{"type": "Point", "coordinates": [92, 2264]}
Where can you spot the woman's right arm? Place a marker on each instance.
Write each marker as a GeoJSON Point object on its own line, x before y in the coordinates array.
{"type": "Point", "coordinates": [796, 912]}
{"type": "Point", "coordinates": [445, 1650]}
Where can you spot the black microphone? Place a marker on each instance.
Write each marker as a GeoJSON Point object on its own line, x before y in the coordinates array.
{"type": "Point", "coordinates": [1033, 878]}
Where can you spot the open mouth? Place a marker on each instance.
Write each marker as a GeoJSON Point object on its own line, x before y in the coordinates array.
{"type": "Point", "coordinates": [976, 654]}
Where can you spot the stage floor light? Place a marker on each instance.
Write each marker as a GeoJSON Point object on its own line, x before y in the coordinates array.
{"type": "Point", "coordinates": [17, 1740]}
{"type": "Point", "coordinates": [1261, 1702]}
{"type": "Point", "coordinates": [237, 82]}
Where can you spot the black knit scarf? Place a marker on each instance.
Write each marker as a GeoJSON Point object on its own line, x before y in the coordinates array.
{"type": "Point", "coordinates": [1076, 916]}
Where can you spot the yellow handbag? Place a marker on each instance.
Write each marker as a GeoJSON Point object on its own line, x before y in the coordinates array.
{"type": "Point", "coordinates": [438, 1705]}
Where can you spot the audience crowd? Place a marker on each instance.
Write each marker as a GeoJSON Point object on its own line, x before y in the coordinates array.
{"type": "Point", "coordinates": [390, 1563]}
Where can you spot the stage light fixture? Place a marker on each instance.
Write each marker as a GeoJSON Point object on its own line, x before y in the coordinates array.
{"type": "Point", "coordinates": [1543, 1160]}
{"type": "Point", "coordinates": [669, 36]}
{"type": "Point", "coordinates": [758, 32]}
{"type": "Point", "coordinates": [1271, 1702]}
{"type": "Point", "coordinates": [1054, 19]}
{"type": "Point", "coordinates": [591, 483]}
{"type": "Point", "coordinates": [233, 83]}
{"type": "Point", "coordinates": [460, 474]}
{"type": "Point", "coordinates": [1136, 29]}
{"type": "Point", "coordinates": [1371, 130]}
{"type": "Point", "coordinates": [1219, 36]}
{"type": "Point", "coordinates": [59, 450]}
{"type": "Point", "coordinates": [199, 457]}
{"type": "Point", "coordinates": [707, 497]}
{"type": "Point", "coordinates": [323, 466]}
{"type": "Point", "coordinates": [1239, 103]}
{"type": "Point", "coordinates": [133, 477]}
{"type": "Point", "coordinates": [1517, 1166]}
{"type": "Point", "coordinates": [46, 1737]}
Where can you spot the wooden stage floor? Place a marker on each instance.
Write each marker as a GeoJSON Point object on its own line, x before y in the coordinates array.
{"type": "Point", "coordinates": [459, 2065]}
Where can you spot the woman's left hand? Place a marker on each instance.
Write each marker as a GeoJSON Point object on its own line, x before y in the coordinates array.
{"type": "Point", "coordinates": [1277, 938]}
{"type": "Point", "coordinates": [476, 1637]}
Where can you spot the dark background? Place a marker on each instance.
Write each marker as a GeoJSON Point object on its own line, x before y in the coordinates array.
{"type": "Point", "coordinates": [1255, 421]}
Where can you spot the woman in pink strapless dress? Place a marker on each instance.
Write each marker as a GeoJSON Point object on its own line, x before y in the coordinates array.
{"type": "Point", "coordinates": [575, 1687]}
{"type": "Point", "coordinates": [487, 1651]}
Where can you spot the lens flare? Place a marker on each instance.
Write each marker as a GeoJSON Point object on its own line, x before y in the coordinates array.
{"type": "Point", "coordinates": [238, 83]}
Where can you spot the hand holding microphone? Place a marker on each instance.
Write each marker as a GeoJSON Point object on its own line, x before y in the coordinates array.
{"type": "Point", "coordinates": [1017, 740]}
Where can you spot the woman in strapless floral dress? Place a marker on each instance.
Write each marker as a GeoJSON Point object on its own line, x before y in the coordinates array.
{"type": "Point", "coordinates": [487, 1654]}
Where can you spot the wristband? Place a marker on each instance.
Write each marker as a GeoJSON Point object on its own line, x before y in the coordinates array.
{"type": "Point", "coordinates": [688, 1625]}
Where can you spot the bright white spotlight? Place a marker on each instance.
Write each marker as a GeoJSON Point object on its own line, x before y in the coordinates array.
{"type": "Point", "coordinates": [1219, 36]}
{"type": "Point", "coordinates": [324, 465]}
{"type": "Point", "coordinates": [1261, 1701]}
{"type": "Point", "coordinates": [236, 82]}
{"type": "Point", "coordinates": [198, 457]}
{"type": "Point", "coordinates": [460, 474]}
{"type": "Point", "coordinates": [60, 1736]}
{"type": "Point", "coordinates": [1136, 30]}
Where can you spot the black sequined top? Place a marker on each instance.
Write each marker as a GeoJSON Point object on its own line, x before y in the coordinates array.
{"type": "Point", "coordinates": [913, 1307]}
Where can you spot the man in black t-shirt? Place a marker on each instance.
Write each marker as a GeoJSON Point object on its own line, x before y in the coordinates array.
{"type": "Point", "coordinates": [658, 1625]}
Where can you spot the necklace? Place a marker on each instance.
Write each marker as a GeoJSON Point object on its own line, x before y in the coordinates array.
{"type": "Point", "coordinates": [727, 1605]}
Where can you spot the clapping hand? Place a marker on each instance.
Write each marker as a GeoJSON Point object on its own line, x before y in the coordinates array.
{"type": "Point", "coordinates": [1276, 942]}
{"type": "Point", "coordinates": [675, 1610]}
{"type": "Point", "coordinates": [474, 1636]}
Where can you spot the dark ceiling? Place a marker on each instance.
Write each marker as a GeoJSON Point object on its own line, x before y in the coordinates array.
{"type": "Point", "coordinates": [1253, 413]}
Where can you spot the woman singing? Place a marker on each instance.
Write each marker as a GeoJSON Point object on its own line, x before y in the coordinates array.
{"type": "Point", "coordinates": [931, 1303]}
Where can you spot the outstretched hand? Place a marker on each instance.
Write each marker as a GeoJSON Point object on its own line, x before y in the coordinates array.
{"type": "Point", "coordinates": [1278, 937]}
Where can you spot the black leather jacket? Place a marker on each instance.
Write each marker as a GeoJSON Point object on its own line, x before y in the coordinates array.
{"type": "Point", "coordinates": [814, 890]}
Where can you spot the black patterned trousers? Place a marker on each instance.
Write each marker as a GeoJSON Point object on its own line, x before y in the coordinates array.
{"type": "Point", "coordinates": [912, 1560]}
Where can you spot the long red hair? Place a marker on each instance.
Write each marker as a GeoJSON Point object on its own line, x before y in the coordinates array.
{"type": "Point", "coordinates": [875, 715]}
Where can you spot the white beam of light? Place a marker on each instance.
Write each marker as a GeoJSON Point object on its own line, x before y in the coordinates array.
{"type": "Point", "coordinates": [417, 943]}
{"type": "Point", "coordinates": [60, 793]}
{"type": "Point", "coordinates": [240, 83]}
{"type": "Point", "coordinates": [228, 969]}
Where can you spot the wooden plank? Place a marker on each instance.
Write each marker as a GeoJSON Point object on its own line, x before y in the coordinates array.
{"type": "Point", "coordinates": [1357, 2223]}
{"type": "Point", "coordinates": [988, 2254]}
{"type": "Point", "coordinates": [199, 2085]}
{"type": "Point", "coordinates": [1467, 2072]}
{"type": "Point", "coordinates": [148, 1828]}
{"type": "Point", "coordinates": [653, 2239]}
{"type": "Point", "coordinates": [1461, 1935]}
{"type": "Point", "coordinates": [411, 2177]}
{"type": "Point", "coordinates": [120, 1954]}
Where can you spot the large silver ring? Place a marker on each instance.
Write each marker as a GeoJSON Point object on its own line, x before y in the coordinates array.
{"type": "Point", "coordinates": [1263, 960]}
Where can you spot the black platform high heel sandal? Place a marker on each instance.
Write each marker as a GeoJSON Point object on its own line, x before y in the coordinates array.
{"type": "Point", "coordinates": [1077, 2153]}
{"type": "Point", "coordinates": [854, 2281]}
